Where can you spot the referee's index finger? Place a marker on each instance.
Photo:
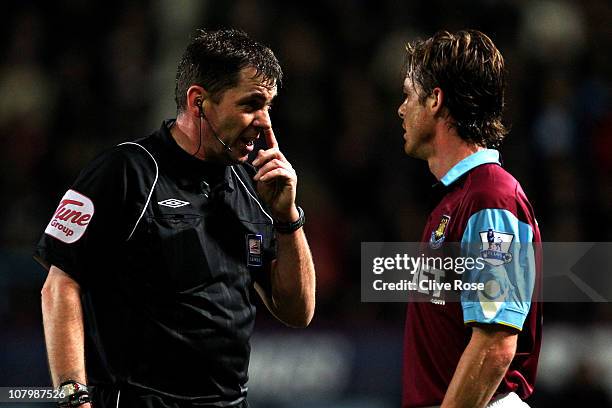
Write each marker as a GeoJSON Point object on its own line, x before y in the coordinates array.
{"type": "Point", "coordinates": [270, 137]}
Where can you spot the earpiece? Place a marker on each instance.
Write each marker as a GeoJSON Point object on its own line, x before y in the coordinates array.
{"type": "Point", "coordinates": [198, 103]}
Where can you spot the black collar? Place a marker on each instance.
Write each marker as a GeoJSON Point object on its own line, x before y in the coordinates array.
{"type": "Point", "coordinates": [188, 170]}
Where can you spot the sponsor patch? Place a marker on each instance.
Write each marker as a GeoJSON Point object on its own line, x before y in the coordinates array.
{"type": "Point", "coordinates": [71, 217]}
{"type": "Point", "coordinates": [496, 247]}
{"type": "Point", "coordinates": [439, 234]}
{"type": "Point", "coordinates": [254, 244]}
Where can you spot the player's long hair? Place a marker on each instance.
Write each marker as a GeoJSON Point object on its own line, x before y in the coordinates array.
{"type": "Point", "coordinates": [469, 69]}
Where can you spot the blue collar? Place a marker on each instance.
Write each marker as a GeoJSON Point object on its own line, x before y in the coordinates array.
{"type": "Point", "coordinates": [467, 164]}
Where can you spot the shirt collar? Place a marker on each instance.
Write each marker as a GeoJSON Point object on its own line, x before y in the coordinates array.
{"type": "Point", "coordinates": [474, 160]}
{"type": "Point", "coordinates": [189, 169]}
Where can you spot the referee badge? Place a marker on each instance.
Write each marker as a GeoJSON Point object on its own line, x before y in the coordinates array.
{"type": "Point", "coordinates": [438, 235]}
{"type": "Point", "coordinates": [254, 243]}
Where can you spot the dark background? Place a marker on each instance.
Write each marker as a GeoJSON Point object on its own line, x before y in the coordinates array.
{"type": "Point", "coordinates": [79, 76]}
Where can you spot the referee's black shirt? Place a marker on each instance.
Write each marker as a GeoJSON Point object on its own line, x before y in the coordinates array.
{"type": "Point", "coordinates": [166, 249]}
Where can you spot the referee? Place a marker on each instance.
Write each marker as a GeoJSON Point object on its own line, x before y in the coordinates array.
{"type": "Point", "coordinates": [153, 252]}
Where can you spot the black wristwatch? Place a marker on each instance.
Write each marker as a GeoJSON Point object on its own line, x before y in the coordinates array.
{"type": "Point", "coordinates": [289, 227]}
{"type": "Point", "coordinates": [74, 394]}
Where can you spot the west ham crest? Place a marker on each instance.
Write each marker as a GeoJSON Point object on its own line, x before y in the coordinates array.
{"type": "Point", "coordinates": [438, 235]}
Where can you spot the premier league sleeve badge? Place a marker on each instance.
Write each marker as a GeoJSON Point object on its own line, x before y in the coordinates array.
{"type": "Point", "coordinates": [496, 247]}
{"type": "Point", "coordinates": [254, 247]}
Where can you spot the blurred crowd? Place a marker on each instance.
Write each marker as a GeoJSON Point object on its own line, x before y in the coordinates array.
{"type": "Point", "coordinates": [79, 76]}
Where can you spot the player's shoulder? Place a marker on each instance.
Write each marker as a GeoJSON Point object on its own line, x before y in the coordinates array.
{"type": "Point", "coordinates": [492, 186]}
{"type": "Point", "coordinates": [491, 179]}
{"type": "Point", "coordinates": [492, 176]}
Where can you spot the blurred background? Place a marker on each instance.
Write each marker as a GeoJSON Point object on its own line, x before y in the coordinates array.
{"type": "Point", "coordinates": [79, 76]}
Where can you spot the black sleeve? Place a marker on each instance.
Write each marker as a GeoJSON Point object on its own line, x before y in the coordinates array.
{"type": "Point", "coordinates": [98, 212]}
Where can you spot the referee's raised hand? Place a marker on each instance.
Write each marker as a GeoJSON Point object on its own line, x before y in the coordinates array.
{"type": "Point", "coordinates": [276, 179]}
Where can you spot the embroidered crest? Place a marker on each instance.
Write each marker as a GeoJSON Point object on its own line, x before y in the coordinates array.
{"type": "Point", "coordinates": [496, 247]}
{"type": "Point", "coordinates": [254, 243]}
{"type": "Point", "coordinates": [438, 235]}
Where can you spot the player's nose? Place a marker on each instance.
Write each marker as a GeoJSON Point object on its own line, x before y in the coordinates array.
{"type": "Point", "coordinates": [400, 111]}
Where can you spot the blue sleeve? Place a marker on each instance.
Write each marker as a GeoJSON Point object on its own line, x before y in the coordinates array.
{"type": "Point", "coordinates": [504, 245]}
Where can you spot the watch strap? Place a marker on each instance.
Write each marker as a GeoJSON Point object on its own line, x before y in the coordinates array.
{"type": "Point", "coordinates": [289, 227]}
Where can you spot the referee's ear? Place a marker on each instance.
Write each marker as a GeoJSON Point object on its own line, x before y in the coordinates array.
{"type": "Point", "coordinates": [196, 96]}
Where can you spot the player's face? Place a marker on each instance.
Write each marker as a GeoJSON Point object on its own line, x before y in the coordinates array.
{"type": "Point", "coordinates": [239, 117]}
{"type": "Point", "coordinates": [417, 123]}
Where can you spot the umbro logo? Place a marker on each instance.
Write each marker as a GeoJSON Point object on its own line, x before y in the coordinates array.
{"type": "Point", "coordinates": [173, 203]}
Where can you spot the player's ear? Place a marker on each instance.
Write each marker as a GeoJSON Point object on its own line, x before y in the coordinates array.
{"type": "Point", "coordinates": [435, 101]}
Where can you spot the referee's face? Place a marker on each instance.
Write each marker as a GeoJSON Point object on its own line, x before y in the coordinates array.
{"type": "Point", "coordinates": [417, 123]}
{"type": "Point", "coordinates": [239, 117]}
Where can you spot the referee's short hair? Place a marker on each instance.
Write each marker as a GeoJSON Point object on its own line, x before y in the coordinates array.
{"type": "Point", "coordinates": [213, 60]}
{"type": "Point", "coordinates": [469, 69]}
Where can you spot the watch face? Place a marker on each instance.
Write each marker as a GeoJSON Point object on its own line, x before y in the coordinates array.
{"type": "Point", "coordinates": [67, 389]}
{"type": "Point", "coordinates": [70, 389]}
